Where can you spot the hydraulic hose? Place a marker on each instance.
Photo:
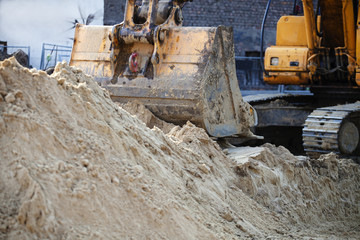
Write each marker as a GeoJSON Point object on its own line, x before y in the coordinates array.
{"type": "Point", "coordinates": [262, 38]}
{"type": "Point", "coordinates": [294, 8]}
{"type": "Point", "coordinates": [318, 32]}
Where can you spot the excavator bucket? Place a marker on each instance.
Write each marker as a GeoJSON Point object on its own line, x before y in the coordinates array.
{"type": "Point", "coordinates": [91, 51]}
{"type": "Point", "coordinates": [180, 74]}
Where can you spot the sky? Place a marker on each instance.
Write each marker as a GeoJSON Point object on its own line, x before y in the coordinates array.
{"type": "Point", "coordinates": [34, 22]}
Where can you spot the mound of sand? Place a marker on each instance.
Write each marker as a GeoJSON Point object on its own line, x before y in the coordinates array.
{"type": "Point", "coordinates": [141, 112]}
{"type": "Point", "coordinates": [323, 192]}
{"type": "Point", "coordinates": [74, 165]}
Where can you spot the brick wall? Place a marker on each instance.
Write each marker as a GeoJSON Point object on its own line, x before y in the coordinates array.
{"type": "Point", "coordinates": [113, 11]}
{"type": "Point", "coordinates": [244, 16]}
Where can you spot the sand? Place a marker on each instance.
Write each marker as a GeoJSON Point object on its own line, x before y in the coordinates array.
{"type": "Point", "coordinates": [75, 165]}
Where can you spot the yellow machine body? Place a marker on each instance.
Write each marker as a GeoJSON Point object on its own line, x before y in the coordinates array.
{"type": "Point", "coordinates": [291, 24]}
{"type": "Point", "coordinates": [91, 50]}
{"type": "Point", "coordinates": [179, 73]}
{"type": "Point", "coordinates": [291, 51]}
{"type": "Point", "coordinates": [306, 57]}
{"type": "Point", "coordinates": [290, 65]}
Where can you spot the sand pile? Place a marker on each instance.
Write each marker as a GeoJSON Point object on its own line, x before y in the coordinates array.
{"type": "Point", "coordinates": [141, 112]}
{"type": "Point", "coordinates": [74, 165]}
{"type": "Point", "coordinates": [324, 191]}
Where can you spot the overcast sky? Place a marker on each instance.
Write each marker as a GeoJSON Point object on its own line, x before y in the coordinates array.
{"type": "Point", "coordinates": [34, 22]}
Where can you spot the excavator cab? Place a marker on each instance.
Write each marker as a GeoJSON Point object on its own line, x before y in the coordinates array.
{"type": "Point", "coordinates": [179, 73]}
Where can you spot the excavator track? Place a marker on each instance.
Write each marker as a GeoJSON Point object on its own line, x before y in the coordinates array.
{"type": "Point", "coordinates": [333, 129]}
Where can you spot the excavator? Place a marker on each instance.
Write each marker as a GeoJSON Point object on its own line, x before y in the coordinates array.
{"type": "Point", "coordinates": [188, 73]}
{"type": "Point", "coordinates": [321, 50]}
{"type": "Point", "coordinates": [179, 73]}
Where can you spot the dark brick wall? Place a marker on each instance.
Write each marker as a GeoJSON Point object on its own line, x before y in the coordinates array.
{"type": "Point", "coordinates": [244, 16]}
{"type": "Point", "coordinates": [238, 13]}
{"type": "Point", "coordinates": [114, 11]}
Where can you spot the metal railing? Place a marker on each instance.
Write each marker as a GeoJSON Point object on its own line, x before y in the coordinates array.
{"type": "Point", "coordinates": [249, 74]}
{"type": "Point", "coordinates": [51, 54]}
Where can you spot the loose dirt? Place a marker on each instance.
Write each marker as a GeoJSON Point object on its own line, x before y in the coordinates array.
{"type": "Point", "coordinates": [141, 112]}
{"type": "Point", "coordinates": [75, 165]}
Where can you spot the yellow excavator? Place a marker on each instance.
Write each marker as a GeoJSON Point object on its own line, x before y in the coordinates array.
{"type": "Point", "coordinates": [188, 73]}
{"type": "Point", "coordinates": [179, 73]}
{"type": "Point", "coordinates": [321, 50]}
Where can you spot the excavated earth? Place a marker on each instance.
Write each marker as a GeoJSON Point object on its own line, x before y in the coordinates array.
{"type": "Point", "coordinates": [75, 165]}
